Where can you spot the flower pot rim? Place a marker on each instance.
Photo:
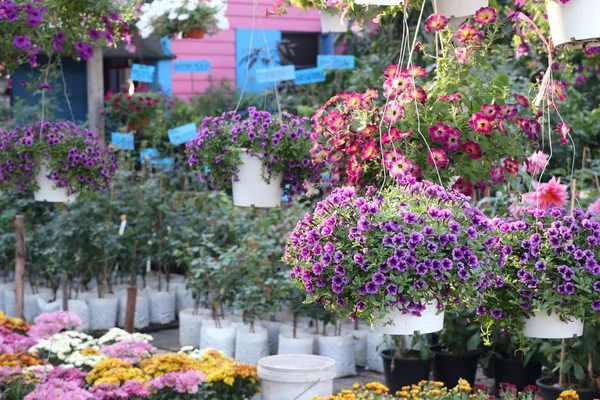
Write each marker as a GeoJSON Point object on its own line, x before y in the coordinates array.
{"type": "Point", "coordinates": [554, 386]}
{"type": "Point", "coordinates": [385, 354]}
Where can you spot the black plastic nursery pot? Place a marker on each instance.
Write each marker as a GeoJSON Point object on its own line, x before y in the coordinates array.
{"type": "Point", "coordinates": [549, 390]}
{"type": "Point", "coordinates": [407, 371]}
{"type": "Point", "coordinates": [449, 368]}
{"type": "Point", "coordinates": [511, 370]}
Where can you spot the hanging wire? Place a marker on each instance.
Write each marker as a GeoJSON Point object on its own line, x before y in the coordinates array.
{"type": "Point", "coordinates": [62, 74]}
{"type": "Point", "coordinates": [254, 8]}
{"type": "Point", "coordinates": [271, 63]}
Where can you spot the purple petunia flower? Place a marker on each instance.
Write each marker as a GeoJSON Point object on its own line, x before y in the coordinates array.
{"type": "Point", "coordinates": [596, 286]}
{"type": "Point", "coordinates": [392, 289]}
{"type": "Point", "coordinates": [596, 305]}
{"type": "Point", "coordinates": [378, 278]}
{"type": "Point", "coordinates": [22, 42]}
{"type": "Point", "coordinates": [360, 305]}
{"type": "Point", "coordinates": [540, 265]}
{"type": "Point", "coordinates": [497, 314]}
{"type": "Point", "coordinates": [371, 287]}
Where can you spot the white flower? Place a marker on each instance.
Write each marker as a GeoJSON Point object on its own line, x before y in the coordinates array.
{"type": "Point", "coordinates": [183, 17]}
{"type": "Point", "coordinates": [173, 15]}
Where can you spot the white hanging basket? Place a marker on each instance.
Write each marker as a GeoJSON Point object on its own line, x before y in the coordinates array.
{"type": "Point", "coordinates": [458, 8]}
{"type": "Point", "coordinates": [380, 2]}
{"type": "Point", "coordinates": [251, 189]}
{"type": "Point", "coordinates": [405, 324]}
{"type": "Point", "coordinates": [544, 326]}
{"type": "Point", "coordinates": [47, 191]}
{"type": "Point", "coordinates": [574, 25]}
{"type": "Point", "coordinates": [333, 23]}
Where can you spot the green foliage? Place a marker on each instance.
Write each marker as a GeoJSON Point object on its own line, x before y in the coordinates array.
{"type": "Point", "coordinates": [461, 335]}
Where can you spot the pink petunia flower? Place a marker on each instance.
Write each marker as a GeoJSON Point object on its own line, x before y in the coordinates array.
{"type": "Point", "coordinates": [463, 186]}
{"type": "Point", "coordinates": [490, 111]}
{"type": "Point", "coordinates": [393, 112]}
{"type": "Point", "coordinates": [438, 158]}
{"type": "Point", "coordinates": [463, 54]}
{"type": "Point", "coordinates": [481, 124]}
{"type": "Point", "coordinates": [468, 33]}
{"type": "Point", "coordinates": [511, 165]}
{"type": "Point", "coordinates": [439, 132]}
{"type": "Point", "coordinates": [436, 22]}
{"type": "Point", "coordinates": [522, 100]}
{"type": "Point", "coordinates": [472, 149]}
{"type": "Point", "coordinates": [497, 174]}
{"type": "Point", "coordinates": [452, 142]}
{"type": "Point", "coordinates": [546, 195]}
{"type": "Point", "coordinates": [564, 130]}
{"type": "Point", "coordinates": [486, 15]}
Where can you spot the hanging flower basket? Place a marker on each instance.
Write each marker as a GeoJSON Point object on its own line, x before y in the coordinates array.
{"type": "Point", "coordinates": [380, 2]}
{"type": "Point", "coordinates": [544, 326]}
{"type": "Point", "coordinates": [397, 323]}
{"type": "Point", "coordinates": [574, 25]}
{"type": "Point", "coordinates": [47, 190]}
{"type": "Point", "coordinates": [250, 189]}
{"type": "Point", "coordinates": [458, 8]}
{"type": "Point", "coordinates": [333, 23]}
{"type": "Point", "coordinates": [195, 33]}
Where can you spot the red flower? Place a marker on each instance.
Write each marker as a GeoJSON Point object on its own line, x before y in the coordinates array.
{"type": "Point", "coordinates": [472, 149]}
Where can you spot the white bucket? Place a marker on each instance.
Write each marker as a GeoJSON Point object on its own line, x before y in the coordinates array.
{"type": "Point", "coordinates": [251, 346]}
{"type": "Point", "coordinates": [296, 377]}
{"type": "Point", "coordinates": [47, 191]}
{"type": "Point", "coordinates": [141, 318]}
{"type": "Point", "coordinates": [574, 25]}
{"type": "Point", "coordinates": [81, 309]}
{"type": "Point", "coordinates": [189, 326]}
{"type": "Point", "coordinates": [333, 22]}
{"type": "Point", "coordinates": [222, 338]}
{"type": "Point", "coordinates": [341, 349]}
{"type": "Point", "coordinates": [303, 343]}
{"type": "Point", "coordinates": [251, 189]}
{"type": "Point", "coordinates": [458, 8]}
{"type": "Point", "coordinates": [103, 313]}
{"type": "Point", "coordinates": [162, 307]}
{"type": "Point", "coordinates": [359, 339]}
{"type": "Point", "coordinates": [405, 324]}
{"type": "Point", "coordinates": [544, 326]}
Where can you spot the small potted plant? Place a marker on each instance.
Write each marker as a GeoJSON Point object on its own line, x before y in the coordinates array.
{"type": "Point", "coordinates": [57, 160]}
{"type": "Point", "coordinates": [457, 351]}
{"type": "Point", "coordinates": [572, 23]}
{"type": "Point", "coordinates": [135, 111]}
{"type": "Point", "coordinates": [407, 363]}
{"type": "Point", "coordinates": [261, 157]}
{"type": "Point", "coordinates": [190, 19]}
{"type": "Point", "coordinates": [395, 259]}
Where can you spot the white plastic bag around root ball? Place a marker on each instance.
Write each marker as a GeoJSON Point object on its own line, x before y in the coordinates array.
{"type": "Point", "coordinates": [303, 343]}
{"type": "Point", "coordinates": [32, 310]}
{"type": "Point", "coordinates": [48, 307]}
{"type": "Point", "coordinates": [359, 339]}
{"type": "Point", "coordinates": [376, 343]}
{"type": "Point", "coordinates": [184, 298]}
{"type": "Point", "coordinates": [141, 318]}
{"type": "Point", "coordinates": [81, 309]}
{"type": "Point", "coordinates": [251, 346]}
{"type": "Point", "coordinates": [162, 307]}
{"type": "Point", "coordinates": [190, 325]}
{"type": "Point", "coordinates": [222, 338]}
{"type": "Point", "coordinates": [103, 313]}
{"type": "Point", "coordinates": [272, 328]}
{"type": "Point", "coordinates": [341, 349]}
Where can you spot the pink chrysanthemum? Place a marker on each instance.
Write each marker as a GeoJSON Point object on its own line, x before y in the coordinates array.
{"type": "Point", "coordinates": [438, 157]}
{"type": "Point", "coordinates": [436, 22]}
{"type": "Point", "coordinates": [594, 208]}
{"type": "Point", "coordinates": [546, 195]}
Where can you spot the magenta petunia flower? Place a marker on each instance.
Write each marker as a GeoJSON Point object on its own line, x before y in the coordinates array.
{"type": "Point", "coordinates": [436, 22]}
{"type": "Point", "coordinates": [468, 33]}
{"type": "Point", "coordinates": [564, 130]}
{"type": "Point", "coordinates": [490, 111]}
{"type": "Point", "coordinates": [463, 54]}
{"type": "Point", "coordinates": [511, 165]}
{"type": "Point", "coordinates": [481, 124]}
{"type": "Point", "coordinates": [497, 174]}
{"type": "Point", "coordinates": [438, 158]}
{"type": "Point", "coordinates": [439, 132]}
{"type": "Point", "coordinates": [522, 100]}
{"type": "Point", "coordinates": [393, 112]}
{"type": "Point", "coordinates": [22, 42]}
{"type": "Point", "coordinates": [452, 142]}
{"type": "Point", "coordinates": [486, 15]}
{"type": "Point", "coordinates": [472, 149]}
{"type": "Point", "coordinates": [463, 186]}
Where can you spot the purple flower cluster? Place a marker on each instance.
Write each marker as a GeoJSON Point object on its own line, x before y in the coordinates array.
{"type": "Point", "coordinates": [281, 142]}
{"type": "Point", "coordinates": [75, 158]}
{"type": "Point", "coordinates": [404, 248]}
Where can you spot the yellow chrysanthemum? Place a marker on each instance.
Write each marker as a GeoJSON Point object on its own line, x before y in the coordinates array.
{"type": "Point", "coordinates": [568, 395]}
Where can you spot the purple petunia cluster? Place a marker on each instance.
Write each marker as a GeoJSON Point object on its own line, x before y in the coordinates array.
{"type": "Point", "coordinates": [281, 142]}
{"type": "Point", "coordinates": [74, 157]}
{"type": "Point", "coordinates": [409, 246]}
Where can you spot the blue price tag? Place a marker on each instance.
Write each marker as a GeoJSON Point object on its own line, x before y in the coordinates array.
{"type": "Point", "coordinates": [150, 153]}
{"type": "Point", "coordinates": [142, 73]}
{"type": "Point", "coordinates": [276, 74]}
{"type": "Point", "coordinates": [182, 134]}
{"type": "Point", "coordinates": [311, 75]}
{"type": "Point", "coordinates": [335, 62]}
{"type": "Point", "coordinates": [123, 141]}
{"type": "Point", "coordinates": [192, 66]}
{"type": "Point", "coordinates": [165, 44]}
{"type": "Point", "coordinates": [164, 164]}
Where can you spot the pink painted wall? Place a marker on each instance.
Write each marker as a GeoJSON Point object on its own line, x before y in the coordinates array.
{"type": "Point", "coordinates": [220, 48]}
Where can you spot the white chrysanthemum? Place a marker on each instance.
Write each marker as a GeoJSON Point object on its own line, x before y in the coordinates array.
{"type": "Point", "coordinates": [183, 17]}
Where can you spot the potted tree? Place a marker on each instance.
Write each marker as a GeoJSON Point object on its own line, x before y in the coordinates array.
{"type": "Point", "coordinates": [457, 351]}
{"type": "Point", "coordinates": [404, 365]}
{"type": "Point", "coordinates": [396, 260]}
{"type": "Point", "coordinates": [260, 157]}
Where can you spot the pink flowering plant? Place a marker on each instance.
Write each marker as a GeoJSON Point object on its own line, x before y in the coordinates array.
{"type": "Point", "coordinates": [131, 351]}
{"type": "Point", "coordinates": [73, 157]}
{"type": "Point", "coordinates": [414, 244]}
{"type": "Point", "coordinates": [459, 125]}
{"type": "Point", "coordinates": [282, 143]}
{"type": "Point", "coordinates": [549, 263]}
{"type": "Point", "coordinates": [183, 385]}
{"type": "Point", "coordinates": [45, 27]}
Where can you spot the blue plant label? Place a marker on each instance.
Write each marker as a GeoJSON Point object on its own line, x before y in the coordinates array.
{"type": "Point", "coordinates": [311, 75]}
{"type": "Point", "coordinates": [122, 141]}
{"type": "Point", "coordinates": [335, 62]}
{"type": "Point", "coordinates": [182, 134]}
{"type": "Point", "coordinates": [165, 44]}
{"type": "Point", "coordinates": [276, 74]}
{"type": "Point", "coordinates": [192, 66]}
{"type": "Point", "coordinates": [148, 153]}
{"type": "Point", "coordinates": [142, 73]}
{"type": "Point", "coordinates": [164, 164]}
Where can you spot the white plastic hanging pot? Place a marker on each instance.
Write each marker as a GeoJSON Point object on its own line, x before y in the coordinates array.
{"type": "Point", "coordinates": [458, 8]}
{"type": "Point", "coordinates": [47, 191]}
{"type": "Point", "coordinates": [397, 323]}
{"type": "Point", "coordinates": [574, 25]}
{"type": "Point", "coordinates": [251, 346]}
{"type": "Point", "coordinates": [544, 326]}
{"type": "Point", "coordinates": [341, 349]}
{"type": "Point", "coordinates": [380, 2]}
{"type": "Point", "coordinates": [296, 377]}
{"type": "Point", "coordinates": [251, 189]}
{"type": "Point", "coordinates": [333, 22]}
